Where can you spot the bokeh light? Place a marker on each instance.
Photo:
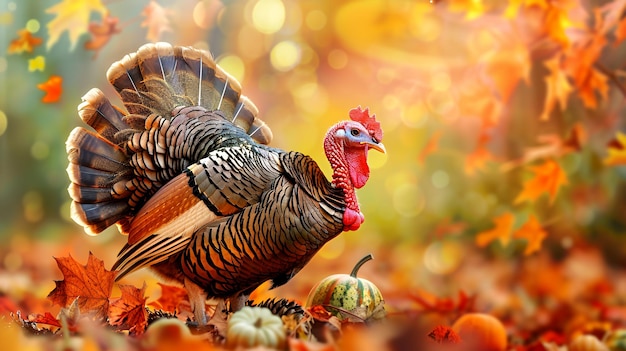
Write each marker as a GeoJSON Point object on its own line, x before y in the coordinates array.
{"type": "Point", "coordinates": [285, 55]}
{"type": "Point", "coordinates": [3, 122]}
{"type": "Point", "coordinates": [337, 59]}
{"type": "Point", "coordinates": [268, 16]}
{"type": "Point", "coordinates": [408, 199]}
{"type": "Point", "coordinates": [40, 150]}
{"type": "Point", "coordinates": [32, 25]}
{"type": "Point", "coordinates": [234, 65]}
{"type": "Point", "coordinates": [32, 205]}
{"type": "Point", "coordinates": [443, 257]}
{"type": "Point", "coordinates": [315, 20]}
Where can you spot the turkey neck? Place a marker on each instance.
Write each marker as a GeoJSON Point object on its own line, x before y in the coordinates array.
{"type": "Point", "coordinates": [350, 171]}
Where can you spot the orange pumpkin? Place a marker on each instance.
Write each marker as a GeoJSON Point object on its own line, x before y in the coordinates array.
{"type": "Point", "coordinates": [480, 331]}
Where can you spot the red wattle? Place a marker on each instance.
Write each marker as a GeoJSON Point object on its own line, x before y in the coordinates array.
{"type": "Point", "coordinates": [357, 164]}
{"type": "Point", "coordinates": [352, 219]}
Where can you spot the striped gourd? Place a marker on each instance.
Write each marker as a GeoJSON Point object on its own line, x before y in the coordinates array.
{"type": "Point", "coordinates": [347, 297]}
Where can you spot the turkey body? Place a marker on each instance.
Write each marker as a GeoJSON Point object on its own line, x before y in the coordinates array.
{"type": "Point", "coordinates": [186, 173]}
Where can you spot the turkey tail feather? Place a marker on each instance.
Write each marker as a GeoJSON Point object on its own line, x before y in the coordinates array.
{"type": "Point", "coordinates": [159, 77]}
{"type": "Point", "coordinates": [98, 165]}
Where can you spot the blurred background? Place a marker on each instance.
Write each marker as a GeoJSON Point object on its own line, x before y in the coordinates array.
{"type": "Point", "coordinates": [459, 87]}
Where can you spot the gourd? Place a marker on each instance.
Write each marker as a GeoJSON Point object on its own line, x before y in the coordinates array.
{"type": "Point", "coordinates": [481, 331]}
{"type": "Point", "coordinates": [616, 340]}
{"type": "Point", "coordinates": [346, 296]}
{"type": "Point", "coordinates": [586, 342]}
{"type": "Point", "coordinates": [254, 327]}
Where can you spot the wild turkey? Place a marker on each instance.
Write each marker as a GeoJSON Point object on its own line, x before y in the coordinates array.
{"type": "Point", "coordinates": [185, 172]}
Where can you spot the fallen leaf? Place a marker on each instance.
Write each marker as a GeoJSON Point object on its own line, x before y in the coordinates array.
{"type": "Point", "coordinates": [101, 33]}
{"type": "Point", "coordinates": [533, 233]}
{"type": "Point", "coordinates": [46, 318]}
{"type": "Point", "coordinates": [558, 88]}
{"type": "Point", "coordinates": [617, 151]}
{"type": "Point", "coordinates": [442, 334]}
{"type": "Point", "coordinates": [72, 16]}
{"type": "Point", "coordinates": [501, 231]}
{"type": "Point", "coordinates": [548, 177]}
{"type": "Point", "coordinates": [156, 20]}
{"type": "Point", "coordinates": [170, 299]}
{"type": "Point", "coordinates": [25, 42]}
{"type": "Point", "coordinates": [53, 89]}
{"type": "Point", "coordinates": [91, 284]}
{"type": "Point", "coordinates": [37, 64]}
{"type": "Point", "coordinates": [129, 311]}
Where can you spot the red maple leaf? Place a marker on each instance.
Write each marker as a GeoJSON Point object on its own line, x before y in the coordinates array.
{"type": "Point", "coordinates": [443, 334]}
{"type": "Point", "coordinates": [90, 285]}
{"type": "Point", "coordinates": [53, 89]}
{"type": "Point", "coordinates": [129, 311]}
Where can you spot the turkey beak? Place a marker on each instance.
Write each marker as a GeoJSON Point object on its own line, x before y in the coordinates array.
{"type": "Point", "coordinates": [376, 146]}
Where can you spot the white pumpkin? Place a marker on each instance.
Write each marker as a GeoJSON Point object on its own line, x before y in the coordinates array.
{"type": "Point", "coordinates": [255, 326]}
{"type": "Point", "coordinates": [587, 342]}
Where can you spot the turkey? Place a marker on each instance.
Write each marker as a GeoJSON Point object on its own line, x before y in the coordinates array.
{"type": "Point", "coordinates": [185, 171]}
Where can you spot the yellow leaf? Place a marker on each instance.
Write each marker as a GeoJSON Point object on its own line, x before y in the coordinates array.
{"type": "Point", "coordinates": [533, 233]}
{"type": "Point", "coordinates": [502, 231]}
{"type": "Point", "coordinates": [617, 151]}
{"type": "Point", "coordinates": [37, 64]}
{"type": "Point", "coordinates": [548, 178]}
{"type": "Point", "coordinates": [72, 16]}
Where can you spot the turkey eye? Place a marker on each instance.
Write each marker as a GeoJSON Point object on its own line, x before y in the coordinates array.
{"type": "Point", "coordinates": [354, 132]}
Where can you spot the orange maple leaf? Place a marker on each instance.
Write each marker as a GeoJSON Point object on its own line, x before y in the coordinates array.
{"type": "Point", "coordinates": [101, 32]}
{"type": "Point", "coordinates": [533, 233]}
{"type": "Point", "coordinates": [24, 42]}
{"type": "Point", "coordinates": [558, 88]}
{"type": "Point", "coordinates": [548, 178]}
{"type": "Point", "coordinates": [502, 231]}
{"type": "Point", "coordinates": [155, 20]}
{"type": "Point", "coordinates": [90, 285]}
{"type": "Point", "coordinates": [53, 89]}
{"type": "Point", "coordinates": [129, 311]}
{"type": "Point", "coordinates": [580, 65]}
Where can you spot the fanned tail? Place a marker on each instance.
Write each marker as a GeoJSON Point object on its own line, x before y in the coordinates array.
{"type": "Point", "coordinates": [98, 165]}
{"type": "Point", "coordinates": [159, 77]}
